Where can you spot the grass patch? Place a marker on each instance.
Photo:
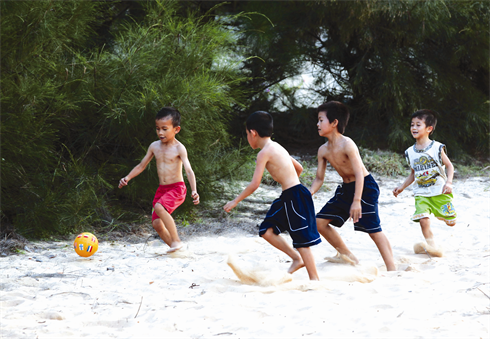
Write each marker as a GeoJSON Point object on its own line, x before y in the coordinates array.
{"type": "Point", "coordinates": [384, 162]}
{"type": "Point", "coordinates": [309, 172]}
{"type": "Point", "coordinates": [474, 169]}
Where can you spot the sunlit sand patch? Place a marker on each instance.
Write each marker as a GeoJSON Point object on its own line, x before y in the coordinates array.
{"type": "Point", "coordinates": [407, 264]}
{"type": "Point", "coordinates": [363, 273]}
{"type": "Point", "coordinates": [50, 315]}
{"type": "Point", "coordinates": [411, 269]}
{"type": "Point", "coordinates": [174, 249]}
{"type": "Point", "coordinates": [341, 259]}
{"type": "Point", "coordinates": [181, 253]}
{"type": "Point", "coordinates": [257, 277]}
{"type": "Point", "coordinates": [368, 269]}
{"type": "Point", "coordinates": [424, 248]}
{"type": "Point", "coordinates": [404, 260]}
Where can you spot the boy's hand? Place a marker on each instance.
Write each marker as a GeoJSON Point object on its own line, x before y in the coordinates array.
{"type": "Point", "coordinates": [355, 211]}
{"type": "Point", "coordinates": [397, 191]}
{"type": "Point", "coordinates": [123, 182]}
{"type": "Point", "coordinates": [229, 206]}
{"type": "Point", "coordinates": [195, 196]}
{"type": "Point", "coordinates": [447, 189]}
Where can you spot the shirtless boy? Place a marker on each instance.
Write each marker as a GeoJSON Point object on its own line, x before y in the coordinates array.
{"type": "Point", "coordinates": [293, 211]}
{"type": "Point", "coordinates": [357, 197]}
{"type": "Point", "coordinates": [170, 155]}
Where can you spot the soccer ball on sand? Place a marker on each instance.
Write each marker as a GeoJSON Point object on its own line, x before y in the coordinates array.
{"type": "Point", "coordinates": [86, 244]}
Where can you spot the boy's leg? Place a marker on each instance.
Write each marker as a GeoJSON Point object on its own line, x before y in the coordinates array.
{"type": "Point", "coordinates": [169, 226]}
{"type": "Point", "coordinates": [309, 262]}
{"type": "Point", "coordinates": [384, 248]}
{"type": "Point", "coordinates": [426, 231]}
{"type": "Point", "coordinates": [334, 239]}
{"type": "Point", "coordinates": [162, 231]}
{"type": "Point", "coordinates": [430, 248]}
{"type": "Point", "coordinates": [278, 242]}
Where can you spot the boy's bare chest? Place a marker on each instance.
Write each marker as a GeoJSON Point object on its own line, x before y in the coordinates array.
{"type": "Point", "coordinates": [337, 158]}
{"type": "Point", "coordinates": [167, 155]}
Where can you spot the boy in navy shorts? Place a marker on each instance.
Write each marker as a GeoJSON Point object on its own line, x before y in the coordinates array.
{"type": "Point", "coordinates": [293, 211]}
{"type": "Point", "coordinates": [357, 197]}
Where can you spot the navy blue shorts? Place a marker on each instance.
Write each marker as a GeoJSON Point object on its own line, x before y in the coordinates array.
{"type": "Point", "coordinates": [294, 212]}
{"type": "Point", "coordinates": [337, 209]}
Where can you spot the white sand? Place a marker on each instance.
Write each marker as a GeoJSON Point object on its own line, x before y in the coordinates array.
{"type": "Point", "coordinates": [136, 291]}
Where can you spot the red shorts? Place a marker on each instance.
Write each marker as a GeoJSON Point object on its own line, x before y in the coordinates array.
{"type": "Point", "coordinates": [170, 197]}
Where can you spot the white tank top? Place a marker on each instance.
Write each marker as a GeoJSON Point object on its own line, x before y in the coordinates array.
{"type": "Point", "coordinates": [430, 173]}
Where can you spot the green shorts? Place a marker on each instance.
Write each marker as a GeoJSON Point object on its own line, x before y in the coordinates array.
{"type": "Point", "coordinates": [440, 205]}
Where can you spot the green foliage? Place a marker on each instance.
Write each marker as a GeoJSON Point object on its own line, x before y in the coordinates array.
{"type": "Point", "coordinates": [82, 80]}
{"type": "Point", "coordinates": [78, 115]}
{"type": "Point", "coordinates": [384, 162]}
{"type": "Point", "coordinates": [472, 168]}
{"type": "Point", "coordinates": [384, 59]}
{"type": "Point", "coordinates": [37, 99]}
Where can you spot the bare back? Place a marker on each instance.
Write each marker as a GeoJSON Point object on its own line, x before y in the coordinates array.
{"type": "Point", "coordinates": [279, 164]}
{"type": "Point", "coordinates": [169, 161]}
{"type": "Point", "coordinates": [344, 156]}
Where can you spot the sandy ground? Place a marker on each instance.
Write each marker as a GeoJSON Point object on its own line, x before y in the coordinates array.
{"type": "Point", "coordinates": [137, 291]}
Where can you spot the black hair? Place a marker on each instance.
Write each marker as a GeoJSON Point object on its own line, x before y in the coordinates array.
{"type": "Point", "coordinates": [261, 122]}
{"type": "Point", "coordinates": [171, 112]}
{"type": "Point", "coordinates": [336, 110]}
{"type": "Point", "coordinates": [428, 116]}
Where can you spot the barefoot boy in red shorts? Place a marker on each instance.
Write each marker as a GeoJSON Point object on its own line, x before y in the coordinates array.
{"type": "Point", "coordinates": [170, 155]}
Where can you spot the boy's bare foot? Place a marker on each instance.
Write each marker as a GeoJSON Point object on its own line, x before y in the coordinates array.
{"type": "Point", "coordinates": [296, 265]}
{"type": "Point", "coordinates": [343, 259]}
{"type": "Point", "coordinates": [175, 247]}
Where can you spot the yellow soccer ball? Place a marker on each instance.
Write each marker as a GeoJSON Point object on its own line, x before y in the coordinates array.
{"type": "Point", "coordinates": [86, 244]}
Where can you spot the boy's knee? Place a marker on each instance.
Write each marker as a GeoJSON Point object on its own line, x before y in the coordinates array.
{"type": "Point", "coordinates": [159, 209]}
{"type": "Point", "coordinates": [451, 223]}
{"type": "Point", "coordinates": [376, 235]}
{"type": "Point", "coordinates": [269, 233]}
{"type": "Point", "coordinates": [325, 223]}
{"type": "Point", "coordinates": [157, 224]}
{"type": "Point", "coordinates": [304, 250]}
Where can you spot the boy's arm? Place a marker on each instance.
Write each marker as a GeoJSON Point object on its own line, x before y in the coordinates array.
{"type": "Point", "coordinates": [262, 159]}
{"type": "Point", "coordinates": [405, 184]}
{"type": "Point", "coordinates": [320, 172]}
{"type": "Point", "coordinates": [138, 168]}
{"type": "Point", "coordinates": [448, 187]}
{"type": "Point", "coordinates": [357, 166]}
{"type": "Point", "coordinates": [297, 166]}
{"type": "Point", "coordinates": [191, 177]}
